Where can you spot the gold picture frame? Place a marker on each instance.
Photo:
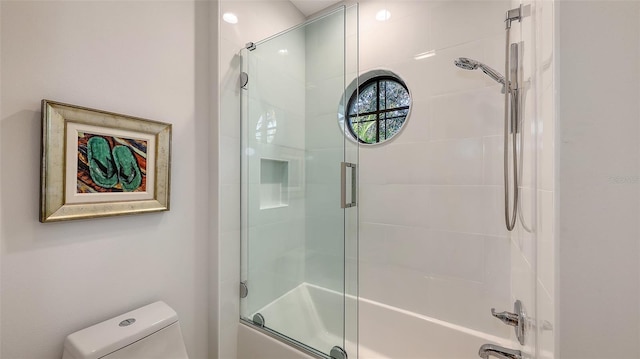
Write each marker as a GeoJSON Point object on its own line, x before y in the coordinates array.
{"type": "Point", "coordinates": [97, 163]}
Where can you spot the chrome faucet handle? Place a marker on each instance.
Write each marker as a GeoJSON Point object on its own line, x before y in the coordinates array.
{"type": "Point", "coordinates": [517, 319]}
{"type": "Point", "coordinates": [491, 350]}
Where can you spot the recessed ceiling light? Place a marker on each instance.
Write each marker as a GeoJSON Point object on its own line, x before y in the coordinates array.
{"type": "Point", "coordinates": [383, 15]}
{"type": "Point", "coordinates": [230, 18]}
{"type": "Point", "coordinates": [283, 51]}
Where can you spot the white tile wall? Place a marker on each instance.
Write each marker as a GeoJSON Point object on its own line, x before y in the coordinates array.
{"type": "Point", "coordinates": [432, 232]}
{"type": "Point", "coordinates": [457, 22]}
{"type": "Point", "coordinates": [467, 114]}
{"type": "Point", "coordinates": [424, 192]}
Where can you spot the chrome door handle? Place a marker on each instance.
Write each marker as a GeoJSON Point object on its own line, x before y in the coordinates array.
{"type": "Point", "coordinates": [343, 185]}
{"type": "Point", "coordinates": [517, 319]}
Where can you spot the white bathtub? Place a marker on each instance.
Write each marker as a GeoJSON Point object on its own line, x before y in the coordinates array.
{"type": "Point", "coordinates": [383, 331]}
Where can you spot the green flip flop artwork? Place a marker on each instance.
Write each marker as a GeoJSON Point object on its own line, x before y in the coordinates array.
{"type": "Point", "coordinates": [102, 168]}
{"type": "Point", "coordinates": [128, 169]}
{"type": "Point", "coordinates": [108, 167]}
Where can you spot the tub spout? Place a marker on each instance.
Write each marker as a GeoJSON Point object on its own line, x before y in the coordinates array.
{"type": "Point", "coordinates": [497, 351]}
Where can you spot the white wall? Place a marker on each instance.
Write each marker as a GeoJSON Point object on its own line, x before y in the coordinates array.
{"type": "Point", "coordinates": [147, 59]}
{"type": "Point", "coordinates": [599, 243]}
{"type": "Point", "coordinates": [1, 174]}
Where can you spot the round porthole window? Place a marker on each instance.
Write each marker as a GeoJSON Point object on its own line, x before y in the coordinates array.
{"type": "Point", "coordinates": [377, 109]}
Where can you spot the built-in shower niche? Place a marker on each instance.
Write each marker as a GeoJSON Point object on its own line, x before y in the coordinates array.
{"type": "Point", "coordinates": [274, 183]}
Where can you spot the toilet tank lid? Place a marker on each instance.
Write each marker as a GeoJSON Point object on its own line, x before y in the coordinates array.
{"type": "Point", "coordinates": [108, 336]}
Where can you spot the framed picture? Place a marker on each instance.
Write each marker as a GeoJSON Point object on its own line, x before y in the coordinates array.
{"type": "Point", "coordinates": [97, 163]}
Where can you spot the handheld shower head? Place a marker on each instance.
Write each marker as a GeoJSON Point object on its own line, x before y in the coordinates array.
{"type": "Point", "coordinates": [470, 64]}
{"type": "Point", "coordinates": [466, 63]}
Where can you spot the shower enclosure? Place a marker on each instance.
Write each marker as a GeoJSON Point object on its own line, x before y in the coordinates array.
{"type": "Point", "coordinates": [299, 186]}
{"type": "Point", "coordinates": [423, 266]}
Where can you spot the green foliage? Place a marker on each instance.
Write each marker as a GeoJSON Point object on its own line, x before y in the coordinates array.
{"type": "Point", "coordinates": [366, 131]}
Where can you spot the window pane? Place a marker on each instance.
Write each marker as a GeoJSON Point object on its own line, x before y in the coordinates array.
{"type": "Point", "coordinates": [367, 100]}
{"type": "Point", "coordinates": [393, 126]}
{"type": "Point", "coordinates": [396, 94]}
{"type": "Point", "coordinates": [366, 131]}
{"type": "Point", "coordinates": [383, 98]}
{"type": "Point", "coordinates": [383, 95]}
{"type": "Point", "coordinates": [353, 108]}
{"type": "Point", "coordinates": [370, 134]}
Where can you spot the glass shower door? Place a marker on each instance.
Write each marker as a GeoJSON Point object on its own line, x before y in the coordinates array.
{"type": "Point", "coordinates": [296, 231]}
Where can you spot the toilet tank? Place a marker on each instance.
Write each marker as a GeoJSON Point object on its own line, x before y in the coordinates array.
{"type": "Point", "coordinates": [152, 331]}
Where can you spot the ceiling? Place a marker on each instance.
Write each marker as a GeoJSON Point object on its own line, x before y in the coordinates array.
{"type": "Point", "coordinates": [309, 7]}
